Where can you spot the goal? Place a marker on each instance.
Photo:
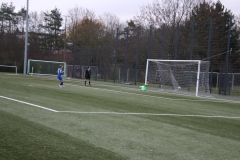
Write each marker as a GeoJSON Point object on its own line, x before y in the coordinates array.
{"type": "Point", "coordinates": [184, 76]}
{"type": "Point", "coordinates": [8, 69]}
{"type": "Point", "coordinates": [41, 67]}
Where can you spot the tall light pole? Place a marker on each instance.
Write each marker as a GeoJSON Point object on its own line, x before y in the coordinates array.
{"type": "Point", "coordinates": [26, 43]}
{"type": "Point", "coordinates": [65, 38]}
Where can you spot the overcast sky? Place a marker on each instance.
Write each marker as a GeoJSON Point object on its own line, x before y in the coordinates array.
{"type": "Point", "coordinates": [124, 9]}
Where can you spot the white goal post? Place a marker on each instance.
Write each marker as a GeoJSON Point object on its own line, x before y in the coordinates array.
{"type": "Point", "coordinates": [184, 76]}
{"type": "Point", "coordinates": [7, 68]}
{"type": "Point", "coordinates": [41, 67]}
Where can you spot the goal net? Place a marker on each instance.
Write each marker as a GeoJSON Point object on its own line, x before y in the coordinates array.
{"type": "Point", "coordinates": [41, 67]}
{"type": "Point", "coordinates": [94, 71]}
{"type": "Point", "coordinates": [185, 76]}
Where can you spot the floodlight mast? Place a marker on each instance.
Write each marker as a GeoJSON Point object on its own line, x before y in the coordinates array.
{"type": "Point", "coordinates": [26, 42]}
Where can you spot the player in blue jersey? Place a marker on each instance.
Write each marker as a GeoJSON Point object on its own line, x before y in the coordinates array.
{"type": "Point", "coordinates": [59, 75]}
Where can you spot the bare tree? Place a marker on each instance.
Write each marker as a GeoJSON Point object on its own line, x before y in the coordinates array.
{"type": "Point", "coordinates": [36, 20]}
{"type": "Point", "coordinates": [111, 22]}
{"type": "Point", "coordinates": [237, 21]}
{"type": "Point", "coordinates": [76, 15]}
{"type": "Point", "coordinates": [168, 12]}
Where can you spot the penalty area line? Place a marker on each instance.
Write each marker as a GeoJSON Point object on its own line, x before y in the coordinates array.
{"type": "Point", "coordinates": [30, 104]}
{"type": "Point", "coordinates": [200, 99]}
{"type": "Point", "coordinates": [118, 113]}
{"type": "Point", "coordinates": [150, 114]}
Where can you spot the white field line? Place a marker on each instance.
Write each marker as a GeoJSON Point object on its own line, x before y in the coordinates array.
{"type": "Point", "coordinates": [149, 114]}
{"type": "Point", "coordinates": [30, 104]}
{"type": "Point", "coordinates": [201, 99]}
{"type": "Point", "coordinates": [118, 113]}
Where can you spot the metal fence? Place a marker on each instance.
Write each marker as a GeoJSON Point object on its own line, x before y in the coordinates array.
{"type": "Point", "coordinates": [125, 61]}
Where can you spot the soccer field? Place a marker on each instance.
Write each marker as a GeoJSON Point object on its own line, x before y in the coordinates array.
{"type": "Point", "coordinates": [108, 121]}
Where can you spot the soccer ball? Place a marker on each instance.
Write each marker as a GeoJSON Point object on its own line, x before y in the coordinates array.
{"type": "Point", "coordinates": [179, 87]}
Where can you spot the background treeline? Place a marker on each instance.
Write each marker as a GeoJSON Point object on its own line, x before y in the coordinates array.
{"type": "Point", "coordinates": [166, 29]}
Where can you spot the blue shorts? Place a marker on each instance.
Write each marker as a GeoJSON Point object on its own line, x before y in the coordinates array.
{"type": "Point", "coordinates": [60, 78]}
